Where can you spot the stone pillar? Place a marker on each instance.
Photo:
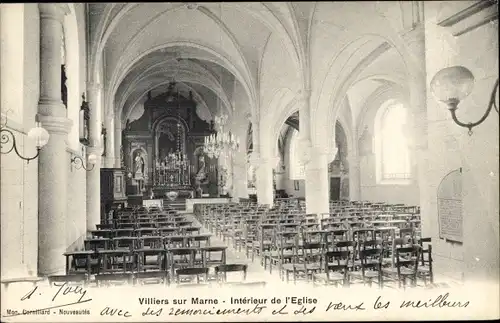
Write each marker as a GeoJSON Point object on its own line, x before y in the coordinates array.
{"type": "Point", "coordinates": [264, 172]}
{"type": "Point", "coordinates": [305, 126]}
{"type": "Point", "coordinates": [53, 160]}
{"type": "Point", "coordinates": [317, 183]}
{"type": "Point", "coordinates": [118, 141]}
{"type": "Point", "coordinates": [415, 41]}
{"type": "Point", "coordinates": [354, 175]}
{"type": "Point", "coordinates": [240, 181]}
{"type": "Point", "coordinates": [94, 176]}
{"type": "Point", "coordinates": [110, 141]}
{"type": "Point", "coordinates": [263, 167]}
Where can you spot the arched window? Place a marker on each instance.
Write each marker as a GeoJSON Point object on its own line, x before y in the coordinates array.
{"type": "Point", "coordinates": [392, 145]}
{"type": "Point", "coordinates": [296, 168]}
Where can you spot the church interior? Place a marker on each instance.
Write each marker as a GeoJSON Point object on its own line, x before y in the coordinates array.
{"type": "Point", "coordinates": [325, 143]}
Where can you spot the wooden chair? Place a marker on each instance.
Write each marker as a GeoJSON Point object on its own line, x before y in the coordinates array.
{"type": "Point", "coordinates": [264, 240]}
{"type": "Point", "coordinates": [190, 273]}
{"type": "Point", "coordinates": [97, 243]}
{"type": "Point", "coordinates": [284, 249]}
{"type": "Point", "coordinates": [179, 258]}
{"type": "Point", "coordinates": [307, 261]}
{"type": "Point", "coordinates": [207, 258]}
{"type": "Point", "coordinates": [425, 268]}
{"type": "Point", "coordinates": [102, 226]}
{"type": "Point", "coordinates": [370, 266]}
{"type": "Point", "coordinates": [222, 270]}
{"type": "Point", "coordinates": [406, 266]}
{"type": "Point", "coordinates": [151, 259]}
{"type": "Point", "coordinates": [114, 279]}
{"type": "Point", "coordinates": [335, 269]}
{"type": "Point", "coordinates": [152, 277]}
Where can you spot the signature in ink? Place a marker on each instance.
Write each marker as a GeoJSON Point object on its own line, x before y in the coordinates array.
{"type": "Point", "coordinates": [63, 292]}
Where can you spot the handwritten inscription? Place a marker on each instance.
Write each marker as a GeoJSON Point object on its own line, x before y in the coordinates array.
{"type": "Point", "coordinates": [275, 306]}
{"type": "Point", "coordinates": [108, 311]}
{"type": "Point", "coordinates": [345, 307]}
{"type": "Point", "coordinates": [440, 301]}
{"type": "Point", "coordinates": [380, 305]}
{"type": "Point", "coordinates": [65, 295]}
{"type": "Point", "coordinates": [65, 289]}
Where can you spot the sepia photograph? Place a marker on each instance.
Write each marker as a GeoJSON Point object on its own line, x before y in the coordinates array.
{"type": "Point", "coordinates": [249, 161]}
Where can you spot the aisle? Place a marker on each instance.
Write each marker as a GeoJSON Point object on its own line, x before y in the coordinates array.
{"type": "Point", "coordinates": [255, 271]}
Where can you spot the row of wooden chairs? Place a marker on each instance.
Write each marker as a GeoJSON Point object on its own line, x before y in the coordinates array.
{"type": "Point", "coordinates": [109, 261]}
{"type": "Point", "coordinates": [216, 213]}
{"type": "Point", "coordinates": [163, 277]}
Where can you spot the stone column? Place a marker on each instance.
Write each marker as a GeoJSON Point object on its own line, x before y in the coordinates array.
{"type": "Point", "coordinates": [305, 126]}
{"type": "Point", "coordinates": [240, 182]}
{"type": "Point", "coordinates": [118, 141]}
{"type": "Point", "coordinates": [94, 176]}
{"type": "Point", "coordinates": [354, 175]}
{"type": "Point", "coordinates": [53, 160]}
{"type": "Point", "coordinates": [415, 41]}
{"type": "Point", "coordinates": [264, 172]}
{"type": "Point", "coordinates": [262, 162]}
{"type": "Point", "coordinates": [110, 141]}
{"type": "Point", "coordinates": [317, 183]}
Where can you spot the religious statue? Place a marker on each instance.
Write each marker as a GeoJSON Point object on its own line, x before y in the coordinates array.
{"type": "Point", "coordinates": [200, 177]}
{"type": "Point", "coordinates": [201, 174]}
{"type": "Point", "coordinates": [139, 166]}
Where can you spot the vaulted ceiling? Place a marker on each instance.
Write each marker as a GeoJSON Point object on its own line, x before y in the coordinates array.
{"type": "Point", "coordinates": [219, 52]}
{"type": "Point", "coordinates": [205, 47]}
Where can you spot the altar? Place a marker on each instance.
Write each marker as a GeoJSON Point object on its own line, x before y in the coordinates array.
{"type": "Point", "coordinates": [173, 171]}
{"type": "Point", "coordinates": [163, 148]}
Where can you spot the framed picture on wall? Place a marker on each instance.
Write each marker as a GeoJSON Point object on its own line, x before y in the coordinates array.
{"type": "Point", "coordinates": [296, 185]}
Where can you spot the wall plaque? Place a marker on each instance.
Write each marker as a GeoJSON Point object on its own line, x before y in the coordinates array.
{"type": "Point", "coordinates": [449, 202]}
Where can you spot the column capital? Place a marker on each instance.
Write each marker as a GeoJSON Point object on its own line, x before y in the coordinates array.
{"type": "Point", "coordinates": [56, 125]}
{"type": "Point", "coordinates": [55, 11]}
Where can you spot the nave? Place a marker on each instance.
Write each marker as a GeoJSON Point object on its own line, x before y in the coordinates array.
{"type": "Point", "coordinates": [376, 245]}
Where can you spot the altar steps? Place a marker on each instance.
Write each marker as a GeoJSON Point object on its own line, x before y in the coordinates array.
{"type": "Point", "coordinates": [178, 204]}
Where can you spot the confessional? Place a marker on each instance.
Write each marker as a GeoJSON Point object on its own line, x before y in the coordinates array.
{"type": "Point", "coordinates": [112, 191]}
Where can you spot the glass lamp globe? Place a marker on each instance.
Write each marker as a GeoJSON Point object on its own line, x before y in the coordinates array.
{"type": "Point", "coordinates": [452, 84]}
{"type": "Point", "coordinates": [92, 159]}
{"type": "Point", "coordinates": [39, 135]}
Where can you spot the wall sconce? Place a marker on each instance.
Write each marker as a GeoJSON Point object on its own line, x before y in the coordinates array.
{"type": "Point", "coordinates": [38, 134]}
{"type": "Point", "coordinates": [84, 121]}
{"type": "Point", "coordinates": [453, 84]}
{"type": "Point", "coordinates": [103, 141]}
{"type": "Point", "coordinates": [78, 161]}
